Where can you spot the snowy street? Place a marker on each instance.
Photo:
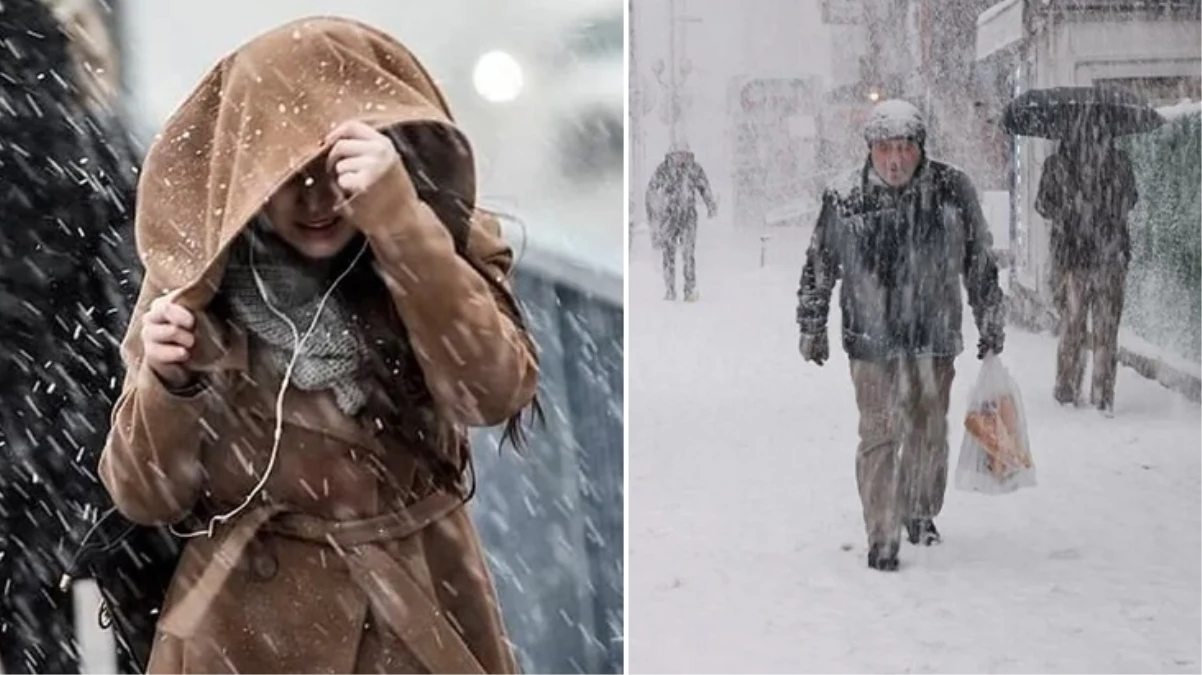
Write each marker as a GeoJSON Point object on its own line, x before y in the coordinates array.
{"type": "Point", "coordinates": [747, 549]}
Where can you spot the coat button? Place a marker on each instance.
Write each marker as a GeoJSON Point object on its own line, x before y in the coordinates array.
{"type": "Point", "coordinates": [263, 566]}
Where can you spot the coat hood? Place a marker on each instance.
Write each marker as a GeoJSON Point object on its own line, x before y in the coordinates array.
{"type": "Point", "coordinates": [258, 117]}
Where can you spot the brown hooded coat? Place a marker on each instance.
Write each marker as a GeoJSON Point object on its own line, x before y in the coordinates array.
{"type": "Point", "coordinates": [340, 565]}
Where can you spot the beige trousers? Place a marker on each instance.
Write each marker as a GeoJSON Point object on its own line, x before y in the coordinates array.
{"type": "Point", "coordinates": [1084, 298]}
{"type": "Point", "coordinates": [901, 463]}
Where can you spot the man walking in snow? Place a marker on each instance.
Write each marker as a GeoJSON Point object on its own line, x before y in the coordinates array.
{"type": "Point", "coordinates": [901, 232]}
{"type": "Point", "coordinates": [672, 213]}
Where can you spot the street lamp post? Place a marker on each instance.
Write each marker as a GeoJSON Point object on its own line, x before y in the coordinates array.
{"type": "Point", "coordinates": [642, 102]}
{"type": "Point", "coordinates": [672, 78]}
{"type": "Point", "coordinates": [673, 100]}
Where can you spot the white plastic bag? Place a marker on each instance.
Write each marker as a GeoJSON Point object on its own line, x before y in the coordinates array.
{"type": "Point", "coordinates": [995, 456]}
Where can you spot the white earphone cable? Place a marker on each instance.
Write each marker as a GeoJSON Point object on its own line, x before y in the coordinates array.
{"type": "Point", "coordinates": [299, 344]}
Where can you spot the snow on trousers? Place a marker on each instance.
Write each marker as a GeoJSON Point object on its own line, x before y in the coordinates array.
{"type": "Point", "coordinates": [1089, 299]}
{"type": "Point", "coordinates": [682, 235]}
{"type": "Point", "coordinates": [901, 462]}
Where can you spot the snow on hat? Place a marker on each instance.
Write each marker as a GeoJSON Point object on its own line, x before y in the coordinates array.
{"type": "Point", "coordinates": [895, 118]}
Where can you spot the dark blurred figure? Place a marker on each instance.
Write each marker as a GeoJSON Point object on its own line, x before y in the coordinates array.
{"type": "Point", "coordinates": [672, 213]}
{"type": "Point", "coordinates": [67, 280]}
{"type": "Point", "coordinates": [1087, 191]}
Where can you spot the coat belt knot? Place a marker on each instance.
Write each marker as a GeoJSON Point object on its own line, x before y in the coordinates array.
{"type": "Point", "coordinates": [418, 621]}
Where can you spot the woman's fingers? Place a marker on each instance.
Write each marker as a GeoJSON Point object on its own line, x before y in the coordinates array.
{"type": "Point", "coordinates": [167, 338]}
{"type": "Point", "coordinates": [179, 316]}
{"type": "Point", "coordinates": [353, 129]}
{"type": "Point", "coordinates": [166, 333]}
{"type": "Point", "coordinates": [359, 156]}
{"type": "Point", "coordinates": [350, 147]}
{"type": "Point", "coordinates": [355, 182]}
{"type": "Point", "coordinates": [164, 354]}
{"type": "Point", "coordinates": [164, 310]}
{"type": "Point", "coordinates": [353, 164]}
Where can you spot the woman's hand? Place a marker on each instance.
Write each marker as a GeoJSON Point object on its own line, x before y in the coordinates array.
{"type": "Point", "coordinates": [360, 156]}
{"type": "Point", "coordinates": [168, 336]}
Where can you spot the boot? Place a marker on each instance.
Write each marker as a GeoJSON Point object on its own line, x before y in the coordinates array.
{"type": "Point", "coordinates": [1103, 403]}
{"type": "Point", "coordinates": [670, 295]}
{"type": "Point", "coordinates": [883, 556]}
{"type": "Point", "coordinates": [1064, 397]}
{"type": "Point", "coordinates": [692, 296]}
{"type": "Point", "coordinates": [922, 532]}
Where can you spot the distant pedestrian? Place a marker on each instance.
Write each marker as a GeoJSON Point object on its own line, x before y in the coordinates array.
{"type": "Point", "coordinates": [672, 212]}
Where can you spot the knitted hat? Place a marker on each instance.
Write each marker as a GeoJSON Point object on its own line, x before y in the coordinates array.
{"type": "Point", "coordinates": [895, 118]}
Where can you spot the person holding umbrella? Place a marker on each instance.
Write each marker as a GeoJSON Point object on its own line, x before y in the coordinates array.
{"type": "Point", "coordinates": [1086, 191]}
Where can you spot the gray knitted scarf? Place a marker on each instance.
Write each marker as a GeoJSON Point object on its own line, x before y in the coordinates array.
{"type": "Point", "coordinates": [332, 355]}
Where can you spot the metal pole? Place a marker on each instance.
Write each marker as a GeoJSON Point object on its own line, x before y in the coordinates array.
{"type": "Point", "coordinates": [673, 97]}
{"type": "Point", "coordinates": [634, 114]}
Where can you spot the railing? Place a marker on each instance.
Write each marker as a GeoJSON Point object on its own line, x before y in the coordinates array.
{"type": "Point", "coordinates": [552, 520]}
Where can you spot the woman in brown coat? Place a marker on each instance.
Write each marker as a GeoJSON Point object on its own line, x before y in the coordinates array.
{"type": "Point", "coordinates": [323, 313]}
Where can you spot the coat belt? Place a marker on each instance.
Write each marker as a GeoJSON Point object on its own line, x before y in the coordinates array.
{"type": "Point", "coordinates": [395, 595]}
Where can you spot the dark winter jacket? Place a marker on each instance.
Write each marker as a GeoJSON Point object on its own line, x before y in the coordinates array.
{"type": "Point", "coordinates": [67, 268]}
{"type": "Point", "coordinates": [672, 193]}
{"type": "Point", "coordinates": [67, 281]}
{"type": "Point", "coordinates": [901, 255]}
{"type": "Point", "coordinates": [1087, 195]}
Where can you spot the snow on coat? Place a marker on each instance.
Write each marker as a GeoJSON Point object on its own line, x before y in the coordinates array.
{"type": "Point", "coordinates": [901, 255]}
{"type": "Point", "coordinates": [392, 574]}
{"type": "Point", "coordinates": [1088, 194]}
{"type": "Point", "coordinates": [672, 192]}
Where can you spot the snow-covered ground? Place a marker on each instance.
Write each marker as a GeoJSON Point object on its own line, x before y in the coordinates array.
{"type": "Point", "coordinates": [747, 550]}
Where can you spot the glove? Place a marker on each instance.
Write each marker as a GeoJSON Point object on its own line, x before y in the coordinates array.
{"type": "Point", "coordinates": [991, 344]}
{"type": "Point", "coordinates": [814, 348]}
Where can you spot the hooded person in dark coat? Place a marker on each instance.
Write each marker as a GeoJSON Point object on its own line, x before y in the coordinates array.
{"type": "Point", "coordinates": [672, 211]}
{"type": "Point", "coordinates": [903, 232]}
{"type": "Point", "coordinates": [67, 279]}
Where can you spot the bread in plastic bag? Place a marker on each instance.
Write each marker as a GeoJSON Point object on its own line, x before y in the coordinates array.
{"type": "Point", "coordinates": [995, 455]}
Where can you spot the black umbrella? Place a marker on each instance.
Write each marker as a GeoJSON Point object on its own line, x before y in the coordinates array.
{"type": "Point", "coordinates": [1062, 112]}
